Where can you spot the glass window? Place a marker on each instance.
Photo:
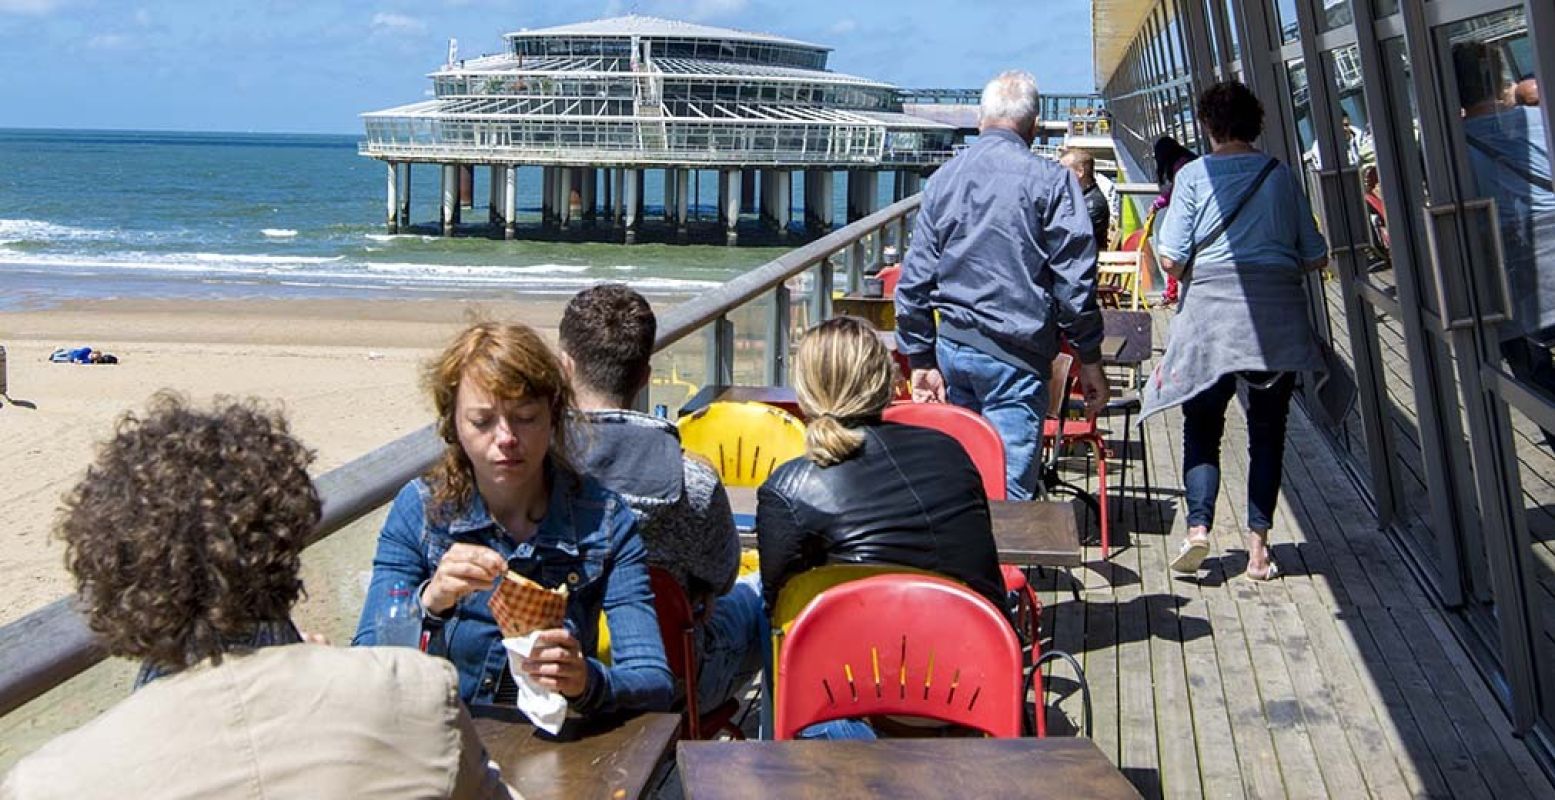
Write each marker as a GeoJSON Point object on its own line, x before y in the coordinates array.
{"type": "Point", "coordinates": [1231, 31]}
{"type": "Point", "coordinates": [1334, 14]}
{"type": "Point", "coordinates": [1289, 29]}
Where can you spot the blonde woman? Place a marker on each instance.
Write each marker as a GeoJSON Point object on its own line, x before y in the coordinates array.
{"type": "Point", "coordinates": [867, 491]}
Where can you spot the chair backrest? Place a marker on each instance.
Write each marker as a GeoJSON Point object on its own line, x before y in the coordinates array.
{"type": "Point", "coordinates": [977, 437]}
{"type": "Point", "coordinates": [677, 626]}
{"type": "Point", "coordinates": [888, 278]}
{"type": "Point", "coordinates": [1058, 385]}
{"type": "Point", "coordinates": [908, 645]}
{"type": "Point", "coordinates": [744, 442]}
{"type": "Point", "coordinates": [1120, 270]}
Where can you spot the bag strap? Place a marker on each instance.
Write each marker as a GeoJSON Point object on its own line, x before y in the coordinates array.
{"type": "Point", "coordinates": [1225, 222]}
{"type": "Point", "coordinates": [1506, 164]}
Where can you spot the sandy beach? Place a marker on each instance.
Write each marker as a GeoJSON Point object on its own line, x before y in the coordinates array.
{"type": "Point", "coordinates": [344, 371]}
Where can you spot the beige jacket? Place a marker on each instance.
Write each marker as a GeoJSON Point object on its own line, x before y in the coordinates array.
{"type": "Point", "coordinates": [291, 721]}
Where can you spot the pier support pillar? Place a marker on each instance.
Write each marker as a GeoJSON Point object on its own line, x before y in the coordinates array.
{"type": "Point", "coordinates": [607, 203]}
{"type": "Point", "coordinates": [494, 193]}
{"type": "Point", "coordinates": [547, 194]}
{"type": "Point", "coordinates": [394, 197]}
{"type": "Point", "coordinates": [730, 202]}
{"type": "Point", "coordinates": [670, 184]}
{"type": "Point", "coordinates": [632, 197]}
{"type": "Point", "coordinates": [764, 199]}
{"type": "Point", "coordinates": [590, 193]}
{"type": "Point", "coordinates": [748, 190]}
{"type": "Point", "coordinates": [682, 197]}
{"type": "Point", "coordinates": [783, 197]}
{"type": "Point", "coordinates": [450, 198]}
{"type": "Point", "coordinates": [510, 202]}
{"type": "Point", "coordinates": [467, 186]}
{"type": "Point", "coordinates": [564, 195]}
{"type": "Point", "coordinates": [863, 188]}
{"type": "Point", "coordinates": [620, 197]}
{"type": "Point", "coordinates": [818, 187]}
{"type": "Point", "coordinates": [908, 183]}
{"type": "Point", "coordinates": [404, 195]}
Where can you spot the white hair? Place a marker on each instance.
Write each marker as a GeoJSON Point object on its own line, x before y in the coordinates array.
{"type": "Point", "coordinates": [1010, 97]}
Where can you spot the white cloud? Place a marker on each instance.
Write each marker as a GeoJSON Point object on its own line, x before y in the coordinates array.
{"type": "Point", "coordinates": [108, 41]}
{"type": "Point", "coordinates": [842, 26]}
{"type": "Point", "coordinates": [29, 6]}
{"type": "Point", "coordinates": [389, 22]}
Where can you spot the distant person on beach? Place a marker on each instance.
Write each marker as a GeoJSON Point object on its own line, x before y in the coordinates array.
{"type": "Point", "coordinates": [185, 538]}
{"type": "Point", "coordinates": [607, 334]}
{"type": "Point", "coordinates": [82, 355]}
{"type": "Point", "coordinates": [1003, 259]}
{"type": "Point", "coordinates": [506, 497]}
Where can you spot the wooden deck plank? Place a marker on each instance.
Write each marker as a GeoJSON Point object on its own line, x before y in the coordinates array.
{"type": "Point", "coordinates": [1139, 752]}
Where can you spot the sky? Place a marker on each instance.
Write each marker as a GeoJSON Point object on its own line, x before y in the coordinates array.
{"type": "Point", "coordinates": [311, 66]}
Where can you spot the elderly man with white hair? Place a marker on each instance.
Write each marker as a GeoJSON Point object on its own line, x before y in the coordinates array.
{"type": "Point", "coordinates": [1003, 250]}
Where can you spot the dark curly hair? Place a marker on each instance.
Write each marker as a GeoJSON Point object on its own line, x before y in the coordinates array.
{"type": "Point", "coordinates": [608, 331]}
{"type": "Point", "coordinates": [1230, 112]}
{"type": "Point", "coordinates": [188, 528]}
{"type": "Point", "coordinates": [512, 363]}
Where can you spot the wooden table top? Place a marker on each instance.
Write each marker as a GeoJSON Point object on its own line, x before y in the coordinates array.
{"type": "Point", "coordinates": [612, 762]}
{"type": "Point", "coordinates": [1038, 533]}
{"type": "Point", "coordinates": [901, 768]}
{"type": "Point", "coordinates": [1031, 534]}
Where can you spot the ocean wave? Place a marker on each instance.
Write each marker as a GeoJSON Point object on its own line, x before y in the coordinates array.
{"type": "Point", "coordinates": [261, 259]}
{"type": "Point", "coordinates": [16, 231]}
{"type": "Point", "coordinates": [278, 233]}
{"type": "Point", "coordinates": [472, 270]}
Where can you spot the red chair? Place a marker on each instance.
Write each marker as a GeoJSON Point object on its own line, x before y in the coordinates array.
{"type": "Point", "coordinates": [907, 645]}
{"type": "Point", "coordinates": [1060, 428]}
{"type": "Point", "coordinates": [888, 278]}
{"type": "Point", "coordinates": [981, 441]}
{"type": "Point", "coordinates": [975, 434]}
{"type": "Point", "coordinates": [677, 627]}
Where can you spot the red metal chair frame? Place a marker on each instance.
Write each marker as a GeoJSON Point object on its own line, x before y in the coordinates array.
{"type": "Point", "coordinates": [1059, 428]}
{"type": "Point", "coordinates": [904, 645]}
{"type": "Point", "coordinates": [677, 627]}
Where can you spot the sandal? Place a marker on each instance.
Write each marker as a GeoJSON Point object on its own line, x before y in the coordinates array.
{"type": "Point", "coordinates": [1193, 553]}
{"type": "Point", "coordinates": [1270, 573]}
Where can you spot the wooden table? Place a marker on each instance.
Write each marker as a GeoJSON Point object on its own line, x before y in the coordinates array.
{"type": "Point", "coordinates": [880, 311]}
{"type": "Point", "coordinates": [778, 396]}
{"type": "Point", "coordinates": [901, 768]}
{"type": "Point", "coordinates": [1038, 533]}
{"type": "Point", "coordinates": [613, 761]}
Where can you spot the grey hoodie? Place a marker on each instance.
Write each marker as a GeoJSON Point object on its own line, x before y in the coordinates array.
{"type": "Point", "coordinates": [682, 508]}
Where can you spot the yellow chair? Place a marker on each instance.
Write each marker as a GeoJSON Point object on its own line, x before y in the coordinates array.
{"type": "Point", "coordinates": [745, 442]}
{"type": "Point", "coordinates": [1119, 270]}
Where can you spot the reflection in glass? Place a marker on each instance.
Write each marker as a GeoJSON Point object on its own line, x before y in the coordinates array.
{"type": "Point", "coordinates": [1236, 43]}
{"type": "Point", "coordinates": [1386, 8]}
{"type": "Point", "coordinates": [1289, 29]}
{"type": "Point", "coordinates": [1536, 471]}
{"type": "Point", "coordinates": [1400, 95]}
{"type": "Point", "coordinates": [1508, 159]}
{"type": "Point", "coordinates": [1334, 14]}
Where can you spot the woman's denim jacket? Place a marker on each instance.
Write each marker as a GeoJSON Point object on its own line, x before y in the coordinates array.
{"type": "Point", "coordinates": [588, 540]}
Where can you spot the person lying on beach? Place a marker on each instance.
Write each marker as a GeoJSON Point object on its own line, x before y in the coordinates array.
{"type": "Point", "coordinates": [82, 355]}
{"type": "Point", "coordinates": [184, 538]}
{"type": "Point", "coordinates": [504, 497]}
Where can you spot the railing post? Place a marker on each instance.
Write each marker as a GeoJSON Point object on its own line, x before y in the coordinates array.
{"type": "Point", "coordinates": [720, 352]}
{"type": "Point", "coordinates": [820, 298]}
{"type": "Point", "coordinates": [901, 236]}
{"type": "Point", "coordinates": [856, 258]}
{"type": "Point", "coordinates": [778, 325]}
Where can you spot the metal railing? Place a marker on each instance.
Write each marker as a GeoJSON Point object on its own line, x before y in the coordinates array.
{"type": "Point", "coordinates": [53, 644]}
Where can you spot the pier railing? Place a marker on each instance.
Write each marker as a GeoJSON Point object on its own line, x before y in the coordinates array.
{"type": "Point", "coordinates": [53, 644]}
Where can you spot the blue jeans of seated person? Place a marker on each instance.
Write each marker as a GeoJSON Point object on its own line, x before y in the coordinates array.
{"type": "Point", "coordinates": [731, 653]}
{"type": "Point", "coordinates": [1203, 423]}
{"type": "Point", "coordinates": [1011, 398]}
{"type": "Point", "coordinates": [839, 729]}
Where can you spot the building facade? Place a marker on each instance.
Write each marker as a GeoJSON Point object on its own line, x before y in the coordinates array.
{"type": "Point", "coordinates": [1425, 143]}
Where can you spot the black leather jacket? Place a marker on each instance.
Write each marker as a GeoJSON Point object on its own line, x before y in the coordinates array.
{"type": "Point", "coordinates": [909, 496]}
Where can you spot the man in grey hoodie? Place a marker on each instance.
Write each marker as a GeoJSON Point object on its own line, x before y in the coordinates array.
{"type": "Point", "coordinates": [607, 334]}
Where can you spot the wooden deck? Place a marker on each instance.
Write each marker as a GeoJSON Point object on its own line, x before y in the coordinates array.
{"type": "Point", "coordinates": [1339, 680]}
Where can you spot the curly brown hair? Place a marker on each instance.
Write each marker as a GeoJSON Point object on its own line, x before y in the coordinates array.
{"type": "Point", "coordinates": [188, 528]}
{"type": "Point", "coordinates": [514, 364]}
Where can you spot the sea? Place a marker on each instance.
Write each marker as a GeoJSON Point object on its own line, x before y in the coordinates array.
{"type": "Point", "coordinates": [87, 214]}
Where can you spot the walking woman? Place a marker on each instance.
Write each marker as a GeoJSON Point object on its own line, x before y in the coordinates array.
{"type": "Point", "coordinates": [1240, 236]}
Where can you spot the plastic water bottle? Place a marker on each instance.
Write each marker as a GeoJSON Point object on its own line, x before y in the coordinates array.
{"type": "Point", "coordinates": [399, 623]}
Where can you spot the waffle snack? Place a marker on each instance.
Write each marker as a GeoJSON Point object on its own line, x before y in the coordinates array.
{"type": "Point", "coordinates": [522, 606]}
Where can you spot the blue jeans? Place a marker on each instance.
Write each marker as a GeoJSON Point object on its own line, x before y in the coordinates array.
{"type": "Point", "coordinates": [1203, 423]}
{"type": "Point", "coordinates": [731, 652]}
{"type": "Point", "coordinates": [1011, 398]}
